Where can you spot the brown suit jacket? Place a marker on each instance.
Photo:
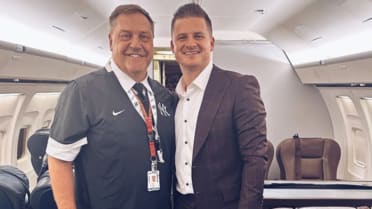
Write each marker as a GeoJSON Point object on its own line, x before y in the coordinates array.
{"type": "Point", "coordinates": [229, 153]}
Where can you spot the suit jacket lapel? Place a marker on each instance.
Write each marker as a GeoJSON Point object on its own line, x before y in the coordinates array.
{"type": "Point", "coordinates": [211, 101]}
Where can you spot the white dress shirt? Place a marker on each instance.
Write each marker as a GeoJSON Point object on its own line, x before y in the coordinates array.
{"type": "Point", "coordinates": [186, 119]}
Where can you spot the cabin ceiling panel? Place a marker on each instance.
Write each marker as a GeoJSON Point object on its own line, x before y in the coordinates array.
{"type": "Point", "coordinates": [41, 15]}
{"type": "Point", "coordinates": [292, 24]}
{"type": "Point", "coordinates": [72, 21]}
{"type": "Point", "coordinates": [93, 40]}
{"type": "Point", "coordinates": [329, 22]}
{"type": "Point", "coordinates": [288, 40]}
{"type": "Point", "coordinates": [322, 23]}
{"type": "Point", "coordinates": [277, 12]}
{"type": "Point", "coordinates": [361, 10]}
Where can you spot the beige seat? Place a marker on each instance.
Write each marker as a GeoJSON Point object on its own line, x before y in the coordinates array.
{"type": "Point", "coordinates": [308, 158]}
{"type": "Point", "coordinates": [270, 155]}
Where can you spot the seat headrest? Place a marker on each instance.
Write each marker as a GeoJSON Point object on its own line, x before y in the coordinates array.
{"type": "Point", "coordinates": [36, 144]}
{"type": "Point", "coordinates": [308, 158]}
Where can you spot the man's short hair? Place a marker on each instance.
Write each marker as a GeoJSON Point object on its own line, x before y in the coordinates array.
{"type": "Point", "coordinates": [191, 10]}
{"type": "Point", "coordinates": [130, 9]}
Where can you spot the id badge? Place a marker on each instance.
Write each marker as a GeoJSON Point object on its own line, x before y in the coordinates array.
{"type": "Point", "coordinates": [153, 180]}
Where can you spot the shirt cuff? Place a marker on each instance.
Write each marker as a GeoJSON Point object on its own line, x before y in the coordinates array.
{"type": "Point", "coordinates": [65, 152]}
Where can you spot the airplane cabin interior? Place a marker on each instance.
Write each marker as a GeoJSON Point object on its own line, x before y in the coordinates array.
{"type": "Point", "coordinates": [312, 58]}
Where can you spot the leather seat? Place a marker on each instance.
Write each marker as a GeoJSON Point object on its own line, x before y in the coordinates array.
{"type": "Point", "coordinates": [42, 195]}
{"type": "Point", "coordinates": [5, 203]}
{"type": "Point", "coordinates": [14, 188]}
{"type": "Point", "coordinates": [308, 158]}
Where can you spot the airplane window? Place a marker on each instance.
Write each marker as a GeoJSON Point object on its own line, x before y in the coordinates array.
{"type": "Point", "coordinates": [366, 103]}
{"type": "Point", "coordinates": [21, 147]}
{"type": "Point", "coordinates": [356, 138]}
{"type": "Point", "coordinates": [9, 106]}
{"type": "Point", "coordinates": [40, 111]}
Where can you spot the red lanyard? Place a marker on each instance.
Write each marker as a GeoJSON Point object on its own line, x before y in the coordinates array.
{"type": "Point", "coordinates": [148, 121]}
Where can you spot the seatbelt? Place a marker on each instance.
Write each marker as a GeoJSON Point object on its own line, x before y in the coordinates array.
{"type": "Point", "coordinates": [297, 141]}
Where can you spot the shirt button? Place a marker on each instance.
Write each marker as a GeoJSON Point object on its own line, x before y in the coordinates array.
{"type": "Point", "coordinates": [186, 163]}
{"type": "Point", "coordinates": [188, 99]}
{"type": "Point", "coordinates": [185, 121]}
{"type": "Point", "coordinates": [186, 142]}
{"type": "Point", "coordinates": [187, 184]}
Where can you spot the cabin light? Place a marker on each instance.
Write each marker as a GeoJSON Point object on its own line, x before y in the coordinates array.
{"type": "Point", "coordinates": [163, 53]}
{"type": "Point", "coordinates": [358, 85]}
{"type": "Point", "coordinates": [9, 94]}
{"type": "Point", "coordinates": [343, 97]}
{"type": "Point", "coordinates": [164, 57]}
{"type": "Point", "coordinates": [166, 52]}
{"type": "Point", "coordinates": [48, 94]}
{"type": "Point", "coordinates": [366, 98]}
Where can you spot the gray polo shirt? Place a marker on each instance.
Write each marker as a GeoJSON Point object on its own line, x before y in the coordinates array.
{"type": "Point", "coordinates": [111, 166]}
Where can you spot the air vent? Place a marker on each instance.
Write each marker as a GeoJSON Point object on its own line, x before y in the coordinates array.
{"type": "Point", "coordinates": [260, 11]}
{"type": "Point", "coordinates": [58, 28]}
{"type": "Point", "coordinates": [367, 20]}
{"type": "Point", "coordinates": [81, 15]}
{"type": "Point", "coordinates": [316, 38]}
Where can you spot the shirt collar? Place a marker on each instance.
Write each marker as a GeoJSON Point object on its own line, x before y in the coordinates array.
{"type": "Point", "coordinates": [125, 81]}
{"type": "Point", "coordinates": [200, 81]}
